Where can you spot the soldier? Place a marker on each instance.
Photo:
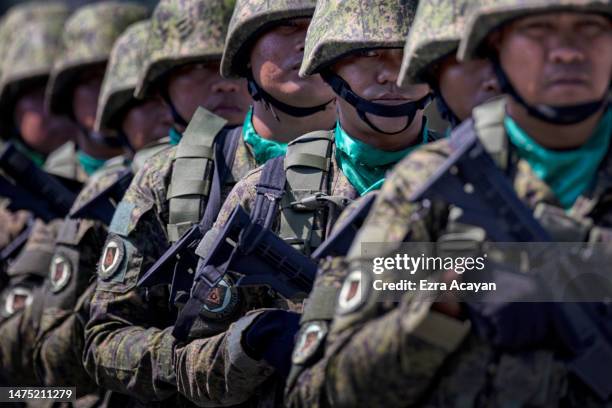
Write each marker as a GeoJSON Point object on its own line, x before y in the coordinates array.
{"type": "Point", "coordinates": [554, 59]}
{"type": "Point", "coordinates": [170, 194]}
{"type": "Point", "coordinates": [24, 122]}
{"type": "Point", "coordinates": [77, 76]}
{"type": "Point", "coordinates": [237, 347]}
{"type": "Point", "coordinates": [144, 125]}
{"type": "Point", "coordinates": [32, 45]}
{"type": "Point", "coordinates": [430, 57]}
{"type": "Point", "coordinates": [34, 261]}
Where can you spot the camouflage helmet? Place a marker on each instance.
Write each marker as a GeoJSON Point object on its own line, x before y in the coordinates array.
{"type": "Point", "coordinates": [340, 27]}
{"type": "Point", "coordinates": [184, 31]}
{"type": "Point", "coordinates": [32, 40]}
{"type": "Point", "coordinates": [21, 14]}
{"type": "Point", "coordinates": [436, 32]}
{"type": "Point", "coordinates": [88, 38]}
{"type": "Point", "coordinates": [250, 18]}
{"type": "Point", "coordinates": [491, 14]}
{"type": "Point", "coordinates": [124, 66]}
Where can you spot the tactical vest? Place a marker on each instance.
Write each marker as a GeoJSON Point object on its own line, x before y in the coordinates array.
{"type": "Point", "coordinates": [206, 149]}
{"type": "Point", "coordinates": [297, 186]}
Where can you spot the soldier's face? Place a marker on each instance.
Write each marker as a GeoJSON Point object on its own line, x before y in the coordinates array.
{"type": "Point", "coordinates": [466, 85]}
{"type": "Point", "coordinates": [558, 59]}
{"type": "Point", "coordinates": [40, 130]}
{"type": "Point", "coordinates": [85, 97]}
{"type": "Point", "coordinates": [197, 85]}
{"type": "Point", "coordinates": [373, 76]}
{"type": "Point", "coordinates": [84, 106]}
{"type": "Point", "coordinates": [276, 58]}
{"type": "Point", "coordinates": [146, 122]}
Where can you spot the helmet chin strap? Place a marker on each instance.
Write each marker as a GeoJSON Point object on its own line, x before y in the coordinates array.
{"type": "Point", "coordinates": [557, 115]}
{"type": "Point", "coordinates": [176, 116]}
{"type": "Point", "coordinates": [103, 140]}
{"type": "Point", "coordinates": [363, 106]}
{"type": "Point", "coordinates": [444, 109]}
{"type": "Point", "coordinates": [259, 94]}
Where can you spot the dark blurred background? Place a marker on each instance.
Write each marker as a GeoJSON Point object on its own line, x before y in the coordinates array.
{"type": "Point", "coordinates": [4, 4]}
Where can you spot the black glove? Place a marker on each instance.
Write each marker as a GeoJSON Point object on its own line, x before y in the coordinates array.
{"type": "Point", "coordinates": [272, 337]}
{"type": "Point", "coordinates": [511, 317]}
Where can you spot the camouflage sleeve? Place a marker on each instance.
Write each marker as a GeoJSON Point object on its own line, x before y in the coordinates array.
{"type": "Point", "coordinates": [376, 353]}
{"type": "Point", "coordinates": [126, 349]}
{"type": "Point", "coordinates": [214, 368]}
{"type": "Point", "coordinates": [11, 224]}
{"type": "Point", "coordinates": [58, 355]}
{"type": "Point", "coordinates": [16, 342]}
{"type": "Point", "coordinates": [216, 371]}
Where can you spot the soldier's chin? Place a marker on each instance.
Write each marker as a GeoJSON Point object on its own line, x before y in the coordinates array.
{"type": "Point", "coordinates": [233, 114]}
{"type": "Point", "coordinates": [388, 125]}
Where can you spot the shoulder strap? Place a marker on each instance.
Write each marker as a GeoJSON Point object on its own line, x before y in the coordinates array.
{"type": "Point", "coordinates": [270, 189]}
{"type": "Point", "coordinates": [144, 154]}
{"type": "Point", "coordinates": [489, 126]}
{"type": "Point", "coordinates": [306, 165]}
{"type": "Point", "coordinates": [225, 153]}
{"type": "Point", "coordinates": [192, 172]}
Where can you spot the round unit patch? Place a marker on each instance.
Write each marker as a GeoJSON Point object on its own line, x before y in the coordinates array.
{"type": "Point", "coordinates": [309, 340]}
{"type": "Point", "coordinates": [59, 273]}
{"type": "Point", "coordinates": [113, 254]}
{"type": "Point", "coordinates": [351, 294]}
{"type": "Point", "coordinates": [17, 299]}
{"type": "Point", "coordinates": [221, 301]}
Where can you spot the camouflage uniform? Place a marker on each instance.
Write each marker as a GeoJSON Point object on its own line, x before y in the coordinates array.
{"type": "Point", "coordinates": [408, 354]}
{"type": "Point", "coordinates": [129, 345]}
{"type": "Point", "coordinates": [59, 294]}
{"type": "Point", "coordinates": [219, 355]}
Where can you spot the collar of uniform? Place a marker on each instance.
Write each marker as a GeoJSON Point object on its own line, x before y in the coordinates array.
{"type": "Point", "coordinates": [37, 158]}
{"type": "Point", "coordinates": [263, 149]}
{"type": "Point", "coordinates": [89, 163]}
{"type": "Point", "coordinates": [569, 173]}
{"type": "Point", "coordinates": [175, 136]}
{"type": "Point", "coordinates": [365, 166]}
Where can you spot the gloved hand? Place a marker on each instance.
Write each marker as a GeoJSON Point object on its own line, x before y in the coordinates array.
{"type": "Point", "coordinates": [511, 317]}
{"type": "Point", "coordinates": [271, 336]}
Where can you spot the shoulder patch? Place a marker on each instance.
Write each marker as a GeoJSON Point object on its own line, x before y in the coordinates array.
{"type": "Point", "coordinates": [18, 298]}
{"type": "Point", "coordinates": [222, 301]}
{"type": "Point", "coordinates": [60, 272]}
{"type": "Point", "coordinates": [309, 341]}
{"type": "Point", "coordinates": [112, 257]}
{"type": "Point", "coordinates": [352, 294]}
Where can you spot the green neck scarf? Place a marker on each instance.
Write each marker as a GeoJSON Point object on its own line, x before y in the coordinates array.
{"type": "Point", "coordinates": [364, 165]}
{"type": "Point", "coordinates": [263, 149]}
{"type": "Point", "coordinates": [569, 173]}
{"type": "Point", "coordinates": [37, 158]}
{"type": "Point", "coordinates": [175, 136]}
{"type": "Point", "coordinates": [89, 163]}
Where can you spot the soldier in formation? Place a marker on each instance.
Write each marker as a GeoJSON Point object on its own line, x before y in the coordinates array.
{"type": "Point", "coordinates": [219, 153]}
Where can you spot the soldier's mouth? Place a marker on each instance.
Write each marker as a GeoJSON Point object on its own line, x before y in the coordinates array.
{"type": "Point", "coordinates": [227, 109]}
